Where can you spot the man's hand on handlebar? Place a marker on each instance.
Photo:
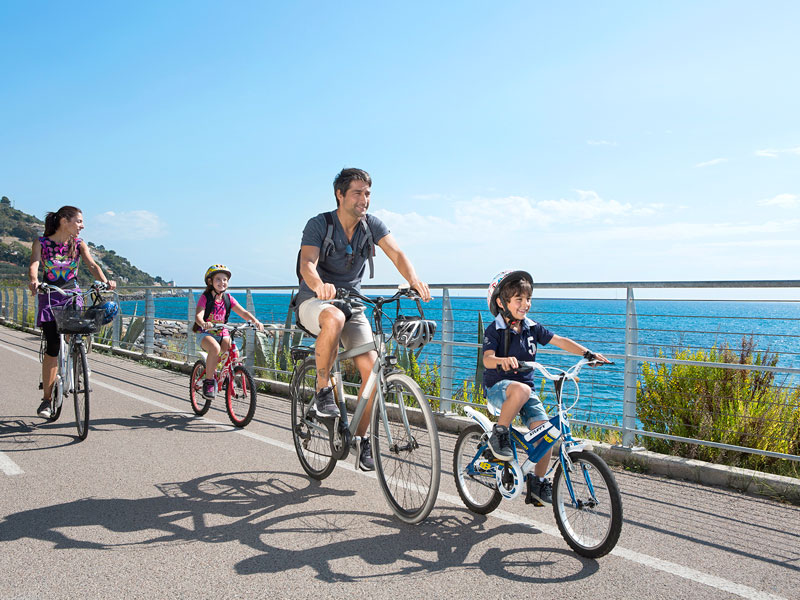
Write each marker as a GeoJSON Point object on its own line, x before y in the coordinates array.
{"type": "Point", "coordinates": [422, 289]}
{"type": "Point", "coordinates": [325, 291]}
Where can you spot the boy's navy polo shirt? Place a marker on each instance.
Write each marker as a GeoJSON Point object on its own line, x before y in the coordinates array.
{"type": "Point", "coordinates": [522, 346]}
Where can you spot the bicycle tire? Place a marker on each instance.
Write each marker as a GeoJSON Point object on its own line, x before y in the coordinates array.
{"type": "Point", "coordinates": [55, 408]}
{"type": "Point", "coordinates": [410, 468]}
{"type": "Point", "coordinates": [240, 396]}
{"type": "Point", "coordinates": [80, 389]}
{"type": "Point", "coordinates": [592, 528]}
{"type": "Point", "coordinates": [479, 493]}
{"type": "Point", "coordinates": [200, 404]}
{"type": "Point", "coordinates": [312, 447]}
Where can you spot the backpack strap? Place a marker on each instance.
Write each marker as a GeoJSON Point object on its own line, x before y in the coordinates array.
{"type": "Point", "coordinates": [367, 246]}
{"type": "Point", "coordinates": [226, 300]}
{"type": "Point", "coordinates": [327, 244]}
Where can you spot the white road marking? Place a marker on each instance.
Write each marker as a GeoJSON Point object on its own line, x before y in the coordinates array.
{"type": "Point", "coordinates": [637, 557]}
{"type": "Point", "coordinates": [8, 466]}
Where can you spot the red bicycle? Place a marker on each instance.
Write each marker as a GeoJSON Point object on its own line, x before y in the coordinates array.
{"type": "Point", "coordinates": [232, 375]}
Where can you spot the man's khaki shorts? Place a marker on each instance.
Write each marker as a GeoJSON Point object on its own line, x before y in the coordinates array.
{"type": "Point", "coordinates": [357, 331]}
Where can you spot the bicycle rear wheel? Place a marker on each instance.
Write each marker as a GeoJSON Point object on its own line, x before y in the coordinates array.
{"type": "Point", "coordinates": [405, 446]}
{"type": "Point", "coordinates": [240, 396]}
{"type": "Point", "coordinates": [200, 404]}
{"type": "Point", "coordinates": [55, 404]}
{"type": "Point", "coordinates": [478, 491]}
{"type": "Point", "coordinates": [309, 434]}
{"type": "Point", "coordinates": [591, 526]}
{"type": "Point", "coordinates": [80, 389]}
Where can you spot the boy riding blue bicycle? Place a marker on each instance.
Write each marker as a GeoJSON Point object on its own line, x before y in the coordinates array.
{"type": "Point", "coordinates": [511, 338]}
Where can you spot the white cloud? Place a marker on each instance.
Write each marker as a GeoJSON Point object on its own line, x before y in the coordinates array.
{"type": "Point", "coordinates": [708, 163]}
{"type": "Point", "coordinates": [773, 153]}
{"type": "Point", "coordinates": [600, 143]}
{"type": "Point", "coordinates": [130, 225]}
{"type": "Point", "coordinates": [782, 200]}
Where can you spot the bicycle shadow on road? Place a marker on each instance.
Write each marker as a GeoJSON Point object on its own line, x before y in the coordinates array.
{"type": "Point", "coordinates": [21, 433]}
{"type": "Point", "coordinates": [213, 509]}
{"type": "Point", "coordinates": [277, 514]}
{"type": "Point", "coordinates": [385, 547]}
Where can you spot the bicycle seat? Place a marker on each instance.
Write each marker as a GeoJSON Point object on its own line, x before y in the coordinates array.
{"type": "Point", "coordinates": [300, 352]}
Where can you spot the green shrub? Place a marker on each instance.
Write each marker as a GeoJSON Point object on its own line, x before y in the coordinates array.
{"type": "Point", "coordinates": [739, 407]}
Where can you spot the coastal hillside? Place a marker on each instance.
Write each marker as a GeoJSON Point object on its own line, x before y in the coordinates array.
{"type": "Point", "coordinates": [18, 230]}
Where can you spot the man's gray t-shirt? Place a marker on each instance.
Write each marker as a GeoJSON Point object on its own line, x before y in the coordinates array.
{"type": "Point", "coordinates": [338, 268]}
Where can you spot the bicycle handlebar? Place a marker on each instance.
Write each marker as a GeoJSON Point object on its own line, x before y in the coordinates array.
{"type": "Point", "coordinates": [47, 288]}
{"type": "Point", "coordinates": [554, 373]}
{"type": "Point", "coordinates": [232, 328]}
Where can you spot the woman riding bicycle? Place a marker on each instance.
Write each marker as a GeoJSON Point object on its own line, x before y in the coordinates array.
{"type": "Point", "coordinates": [59, 251]}
{"type": "Point", "coordinates": [214, 307]}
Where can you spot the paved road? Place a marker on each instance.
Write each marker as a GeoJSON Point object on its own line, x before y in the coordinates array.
{"type": "Point", "coordinates": [159, 503]}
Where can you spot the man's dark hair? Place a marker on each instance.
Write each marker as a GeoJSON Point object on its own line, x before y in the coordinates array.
{"type": "Point", "coordinates": [347, 176]}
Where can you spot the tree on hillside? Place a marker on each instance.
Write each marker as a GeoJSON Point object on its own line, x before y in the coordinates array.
{"type": "Point", "coordinates": [5, 201]}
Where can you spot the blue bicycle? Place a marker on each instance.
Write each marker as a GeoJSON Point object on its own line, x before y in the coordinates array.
{"type": "Point", "coordinates": [586, 501]}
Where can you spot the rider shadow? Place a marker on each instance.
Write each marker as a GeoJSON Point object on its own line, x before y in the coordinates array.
{"type": "Point", "coordinates": [332, 537]}
{"type": "Point", "coordinates": [211, 509]}
{"type": "Point", "coordinates": [171, 421]}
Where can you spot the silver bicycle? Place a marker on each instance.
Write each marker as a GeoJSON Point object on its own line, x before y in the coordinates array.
{"type": "Point", "coordinates": [72, 377]}
{"type": "Point", "coordinates": [405, 441]}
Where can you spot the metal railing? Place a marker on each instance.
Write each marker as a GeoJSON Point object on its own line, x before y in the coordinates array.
{"type": "Point", "coordinates": [642, 335]}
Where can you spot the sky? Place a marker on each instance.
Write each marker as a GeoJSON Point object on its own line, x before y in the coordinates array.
{"type": "Point", "coordinates": [583, 141]}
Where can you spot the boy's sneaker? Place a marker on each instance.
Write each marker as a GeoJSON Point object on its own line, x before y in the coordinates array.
{"type": "Point", "coordinates": [44, 410]}
{"type": "Point", "coordinates": [209, 389]}
{"type": "Point", "coordinates": [500, 444]}
{"type": "Point", "coordinates": [539, 492]}
{"type": "Point", "coordinates": [365, 460]}
{"type": "Point", "coordinates": [326, 405]}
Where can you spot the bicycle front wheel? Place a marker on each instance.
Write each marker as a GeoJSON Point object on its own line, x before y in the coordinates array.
{"type": "Point", "coordinates": [592, 524]}
{"type": "Point", "coordinates": [475, 476]}
{"type": "Point", "coordinates": [309, 434]}
{"type": "Point", "coordinates": [240, 396]}
{"type": "Point", "coordinates": [200, 404]}
{"type": "Point", "coordinates": [80, 390]}
{"type": "Point", "coordinates": [405, 446]}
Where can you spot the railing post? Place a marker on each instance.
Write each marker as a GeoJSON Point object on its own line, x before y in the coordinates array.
{"type": "Point", "coordinates": [149, 322]}
{"type": "Point", "coordinates": [631, 371]}
{"type": "Point", "coordinates": [3, 301]}
{"type": "Point", "coordinates": [250, 336]}
{"type": "Point", "coordinates": [16, 307]}
{"type": "Point", "coordinates": [191, 312]}
{"type": "Point", "coordinates": [24, 307]}
{"type": "Point", "coordinates": [446, 373]}
{"type": "Point", "coordinates": [285, 338]}
{"type": "Point", "coordinates": [116, 326]}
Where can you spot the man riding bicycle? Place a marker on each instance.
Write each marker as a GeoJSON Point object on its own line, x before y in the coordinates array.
{"type": "Point", "coordinates": [335, 250]}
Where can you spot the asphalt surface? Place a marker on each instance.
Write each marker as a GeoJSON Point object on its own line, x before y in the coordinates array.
{"type": "Point", "coordinates": [159, 503]}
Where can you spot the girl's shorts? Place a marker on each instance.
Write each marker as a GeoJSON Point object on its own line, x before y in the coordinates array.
{"type": "Point", "coordinates": [203, 334]}
{"type": "Point", "coordinates": [532, 410]}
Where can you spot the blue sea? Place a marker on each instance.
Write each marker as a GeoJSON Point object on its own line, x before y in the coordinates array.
{"type": "Point", "coordinates": [664, 326]}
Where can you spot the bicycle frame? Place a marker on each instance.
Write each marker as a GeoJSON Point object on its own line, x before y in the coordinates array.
{"type": "Point", "coordinates": [232, 359]}
{"type": "Point", "coordinates": [538, 441]}
{"type": "Point", "coordinates": [375, 383]}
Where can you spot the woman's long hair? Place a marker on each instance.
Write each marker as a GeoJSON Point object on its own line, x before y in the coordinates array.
{"type": "Point", "coordinates": [52, 221]}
